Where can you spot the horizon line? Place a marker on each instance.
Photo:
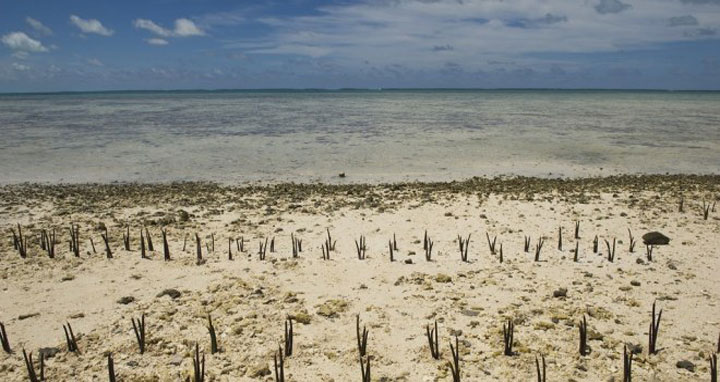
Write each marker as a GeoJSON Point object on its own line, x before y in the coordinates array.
{"type": "Point", "coordinates": [379, 89]}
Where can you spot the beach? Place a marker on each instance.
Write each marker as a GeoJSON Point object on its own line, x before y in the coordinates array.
{"type": "Point", "coordinates": [365, 190]}
{"type": "Point", "coordinates": [249, 299]}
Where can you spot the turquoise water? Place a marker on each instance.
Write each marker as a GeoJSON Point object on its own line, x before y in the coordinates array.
{"type": "Point", "coordinates": [388, 135]}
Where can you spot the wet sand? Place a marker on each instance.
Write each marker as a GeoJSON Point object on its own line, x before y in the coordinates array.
{"type": "Point", "coordinates": [249, 299]}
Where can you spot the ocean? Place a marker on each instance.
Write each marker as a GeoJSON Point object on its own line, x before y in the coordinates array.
{"type": "Point", "coordinates": [370, 135]}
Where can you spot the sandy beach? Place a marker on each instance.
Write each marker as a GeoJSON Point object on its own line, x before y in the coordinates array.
{"type": "Point", "coordinates": [249, 299]}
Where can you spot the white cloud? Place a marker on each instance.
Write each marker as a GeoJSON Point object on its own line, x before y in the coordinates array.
{"type": "Point", "coordinates": [156, 41]}
{"type": "Point", "coordinates": [19, 41]}
{"type": "Point", "coordinates": [38, 26]}
{"type": "Point", "coordinates": [405, 32]}
{"type": "Point", "coordinates": [20, 67]}
{"type": "Point", "coordinates": [91, 26]}
{"type": "Point", "coordinates": [183, 28]}
{"type": "Point", "coordinates": [152, 27]}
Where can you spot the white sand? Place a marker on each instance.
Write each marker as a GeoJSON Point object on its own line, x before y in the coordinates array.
{"type": "Point", "coordinates": [249, 299]}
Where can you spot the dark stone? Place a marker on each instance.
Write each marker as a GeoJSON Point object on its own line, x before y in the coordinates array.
{"type": "Point", "coordinates": [26, 316]}
{"type": "Point", "coordinates": [172, 293]}
{"type": "Point", "coordinates": [126, 300]}
{"type": "Point", "coordinates": [183, 215]}
{"type": "Point", "coordinates": [687, 365]}
{"type": "Point", "coordinates": [655, 238]}
{"type": "Point", "coordinates": [456, 332]}
{"type": "Point", "coordinates": [562, 292]}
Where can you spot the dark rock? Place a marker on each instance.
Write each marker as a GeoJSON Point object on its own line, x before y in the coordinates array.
{"type": "Point", "coordinates": [456, 332]}
{"type": "Point", "coordinates": [562, 292]}
{"type": "Point", "coordinates": [26, 316]}
{"type": "Point", "coordinates": [687, 365]}
{"type": "Point", "coordinates": [183, 215]}
{"type": "Point", "coordinates": [655, 238]}
{"type": "Point", "coordinates": [126, 300]}
{"type": "Point", "coordinates": [635, 283]}
{"type": "Point", "coordinates": [408, 261]}
{"type": "Point", "coordinates": [172, 293]}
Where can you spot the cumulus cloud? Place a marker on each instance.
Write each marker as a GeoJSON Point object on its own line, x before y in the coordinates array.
{"type": "Point", "coordinates": [38, 26]}
{"type": "Point", "coordinates": [19, 41]}
{"type": "Point", "coordinates": [90, 26]}
{"type": "Point", "coordinates": [611, 6]}
{"type": "Point", "coordinates": [682, 21]}
{"type": "Point", "coordinates": [183, 28]}
{"type": "Point", "coordinates": [156, 41]}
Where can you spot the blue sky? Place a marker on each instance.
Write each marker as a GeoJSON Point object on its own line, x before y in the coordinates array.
{"type": "Point", "coordinates": [50, 45]}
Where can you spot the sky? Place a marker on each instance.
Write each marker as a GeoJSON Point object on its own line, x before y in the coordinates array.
{"type": "Point", "coordinates": [81, 45]}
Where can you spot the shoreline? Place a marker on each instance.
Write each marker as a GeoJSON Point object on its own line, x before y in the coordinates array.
{"type": "Point", "coordinates": [514, 182]}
